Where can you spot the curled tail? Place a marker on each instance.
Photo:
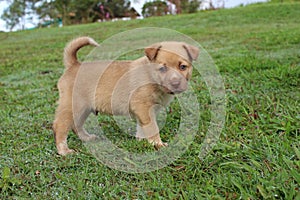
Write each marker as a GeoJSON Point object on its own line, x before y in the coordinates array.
{"type": "Point", "coordinates": [70, 53]}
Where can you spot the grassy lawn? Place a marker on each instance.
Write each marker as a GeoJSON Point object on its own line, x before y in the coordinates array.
{"type": "Point", "coordinates": [257, 51]}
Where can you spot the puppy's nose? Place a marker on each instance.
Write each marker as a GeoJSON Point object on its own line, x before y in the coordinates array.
{"type": "Point", "coordinates": [175, 83]}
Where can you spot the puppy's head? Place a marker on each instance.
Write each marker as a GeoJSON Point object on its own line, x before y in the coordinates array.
{"type": "Point", "coordinates": [172, 63]}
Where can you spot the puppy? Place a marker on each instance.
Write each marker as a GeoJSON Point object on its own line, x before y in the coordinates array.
{"type": "Point", "coordinates": [133, 88]}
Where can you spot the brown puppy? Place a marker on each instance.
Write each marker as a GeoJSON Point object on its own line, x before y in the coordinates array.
{"type": "Point", "coordinates": [133, 88]}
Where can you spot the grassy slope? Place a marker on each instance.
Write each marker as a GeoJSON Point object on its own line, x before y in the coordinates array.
{"type": "Point", "coordinates": [257, 51]}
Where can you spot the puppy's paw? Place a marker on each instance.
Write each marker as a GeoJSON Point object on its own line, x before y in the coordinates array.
{"type": "Point", "coordinates": [160, 145]}
{"type": "Point", "coordinates": [62, 149]}
{"type": "Point", "coordinates": [139, 135]}
{"type": "Point", "coordinates": [156, 142]}
{"type": "Point", "coordinates": [89, 137]}
{"type": "Point", "coordinates": [66, 152]}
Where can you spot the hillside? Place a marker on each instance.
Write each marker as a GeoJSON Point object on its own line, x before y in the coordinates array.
{"type": "Point", "coordinates": [257, 51]}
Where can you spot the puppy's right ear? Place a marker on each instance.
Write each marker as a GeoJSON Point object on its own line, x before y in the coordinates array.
{"type": "Point", "coordinates": [152, 51]}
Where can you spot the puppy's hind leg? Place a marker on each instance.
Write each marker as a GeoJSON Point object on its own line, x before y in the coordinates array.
{"type": "Point", "coordinates": [61, 126]}
{"type": "Point", "coordinates": [79, 120]}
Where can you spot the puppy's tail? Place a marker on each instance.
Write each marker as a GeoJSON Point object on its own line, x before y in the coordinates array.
{"type": "Point", "coordinates": [70, 53]}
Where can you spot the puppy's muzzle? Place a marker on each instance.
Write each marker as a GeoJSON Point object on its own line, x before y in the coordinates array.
{"type": "Point", "coordinates": [176, 83]}
{"type": "Point", "coordinates": [176, 86]}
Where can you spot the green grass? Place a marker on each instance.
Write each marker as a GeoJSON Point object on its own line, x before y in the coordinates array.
{"type": "Point", "coordinates": [257, 50]}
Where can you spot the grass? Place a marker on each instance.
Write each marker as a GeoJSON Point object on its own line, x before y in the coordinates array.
{"type": "Point", "coordinates": [256, 49]}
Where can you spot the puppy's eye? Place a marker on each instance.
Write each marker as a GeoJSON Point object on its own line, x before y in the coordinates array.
{"type": "Point", "coordinates": [163, 69]}
{"type": "Point", "coordinates": [182, 67]}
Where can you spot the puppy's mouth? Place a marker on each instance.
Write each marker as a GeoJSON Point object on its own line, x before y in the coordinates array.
{"type": "Point", "coordinates": [172, 91]}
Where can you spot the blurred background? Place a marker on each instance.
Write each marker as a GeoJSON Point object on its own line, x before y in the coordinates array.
{"type": "Point", "coordinates": [29, 14]}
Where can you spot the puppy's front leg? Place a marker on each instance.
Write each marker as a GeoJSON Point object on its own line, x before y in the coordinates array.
{"type": "Point", "coordinates": [147, 127]}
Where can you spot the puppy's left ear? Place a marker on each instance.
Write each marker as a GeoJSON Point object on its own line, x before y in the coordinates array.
{"type": "Point", "coordinates": [193, 52]}
{"type": "Point", "coordinates": [152, 51]}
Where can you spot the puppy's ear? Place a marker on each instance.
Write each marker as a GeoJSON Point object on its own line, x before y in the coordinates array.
{"type": "Point", "coordinates": [152, 51]}
{"type": "Point", "coordinates": [192, 51]}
